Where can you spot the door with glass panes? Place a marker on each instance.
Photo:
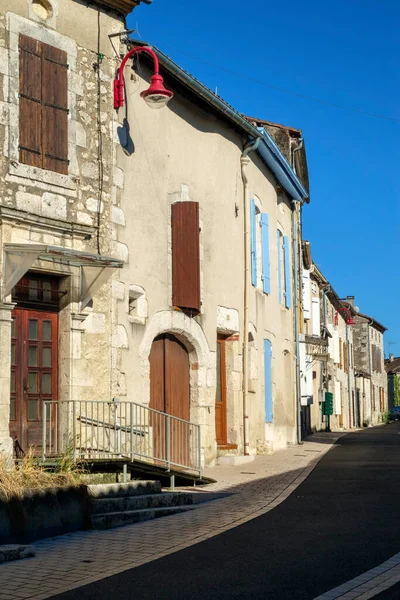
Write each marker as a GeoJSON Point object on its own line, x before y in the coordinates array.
{"type": "Point", "coordinates": [34, 377]}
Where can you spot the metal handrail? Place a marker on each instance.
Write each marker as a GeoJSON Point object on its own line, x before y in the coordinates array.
{"type": "Point", "coordinates": [90, 429]}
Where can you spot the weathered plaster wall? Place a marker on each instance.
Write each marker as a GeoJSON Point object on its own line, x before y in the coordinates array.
{"type": "Point", "coordinates": [184, 153]}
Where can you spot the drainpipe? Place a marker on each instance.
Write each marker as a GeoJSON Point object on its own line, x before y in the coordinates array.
{"type": "Point", "coordinates": [349, 375]}
{"type": "Point", "coordinates": [295, 243]}
{"type": "Point", "coordinates": [325, 291]}
{"type": "Point", "coordinates": [244, 161]}
{"type": "Point", "coordinates": [370, 369]}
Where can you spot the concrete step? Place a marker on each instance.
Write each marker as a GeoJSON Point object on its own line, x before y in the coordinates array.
{"type": "Point", "coordinates": [118, 519]}
{"type": "Point", "coordinates": [130, 503]}
{"type": "Point", "coordinates": [121, 490]}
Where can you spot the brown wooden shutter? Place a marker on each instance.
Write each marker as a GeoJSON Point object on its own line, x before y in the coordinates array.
{"type": "Point", "coordinates": [43, 122]}
{"type": "Point", "coordinates": [55, 110]}
{"type": "Point", "coordinates": [30, 101]}
{"type": "Point", "coordinates": [186, 256]}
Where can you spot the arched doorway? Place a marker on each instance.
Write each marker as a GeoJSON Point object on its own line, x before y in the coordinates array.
{"type": "Point", "coordinates": [170, 393]}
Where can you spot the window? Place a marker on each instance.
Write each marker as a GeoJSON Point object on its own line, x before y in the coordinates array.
{"type": "Point", "coordinates": [266, 278]}
{"type": "Point", "coordinates": [253, 242]}
{"type": "Point", "coordinates": [43, 106]}
{"type": "Point", "coordinates": [340, 353]}
{"type": "Point", "coordinates": [186, 256]}
{"type": "Point", "coordinates": [316, 316]}
{"type": "Point", "coordinates": [283, 263]}
{"type": "Point", "coordinates": [137, 305]}
{"type": "Point", "coordinates": [280, 266]}
{"type": "Point", "coordinates": [345, 358]}
{"type": "Point", "coordinates": [268, 381]}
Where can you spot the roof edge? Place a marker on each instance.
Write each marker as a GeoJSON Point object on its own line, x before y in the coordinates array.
{"type": "Point", "coordinates": [267, 150]}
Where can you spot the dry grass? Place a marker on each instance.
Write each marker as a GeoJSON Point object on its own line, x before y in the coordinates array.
{"type": "Point", "coordinates": [29, 475]}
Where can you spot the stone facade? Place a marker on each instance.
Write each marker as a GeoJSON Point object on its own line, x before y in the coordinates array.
{"type": "Point", "coordinates": [47, 208]}
{"type": "Point", "coordinates": [370, 368]}
{"type": "Point", "coordinates": [125, 172]}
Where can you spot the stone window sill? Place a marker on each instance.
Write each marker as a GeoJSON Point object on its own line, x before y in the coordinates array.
{"type": "Point", "coordinates": [36, 174]}
{"type": "Point", "coordinates": [137, 320]}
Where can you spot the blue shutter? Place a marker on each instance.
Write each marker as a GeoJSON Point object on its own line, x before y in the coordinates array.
{"type": "Point", "coordinates": [265, 254]}
{"type": "Point", "coordinates": [268, 381]}
{"type": "Point", "coordinates": [253, 243]}
{"type": "Point", "coordinates": [288, 295]}
{"type": "Point", "coordinates": [278, 239]}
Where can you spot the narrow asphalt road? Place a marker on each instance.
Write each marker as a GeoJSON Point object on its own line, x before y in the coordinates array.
{"type": "Point", "coordinates": [340, 522]}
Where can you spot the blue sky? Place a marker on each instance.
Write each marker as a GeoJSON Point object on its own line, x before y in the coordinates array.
{"type": "Point", "coordinates": [342, 52]}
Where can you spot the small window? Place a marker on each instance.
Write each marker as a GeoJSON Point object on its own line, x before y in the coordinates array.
{"type": "Point", "coordinates": [137, 305]}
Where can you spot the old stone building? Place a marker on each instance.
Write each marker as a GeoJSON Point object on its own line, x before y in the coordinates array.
{"type": "Point", "coordinates": [392, 368]}
{"type": "Point", "coordinates": [147, 255]}
{"type": "Point", "coordinates": [327, 363]}
{"type": "Point", "coordinates": [371, 378]}
{"type": "Point", "coordinates": [59, 183]}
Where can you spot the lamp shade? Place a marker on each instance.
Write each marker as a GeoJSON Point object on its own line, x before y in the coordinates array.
{"type": "Point", "coordinates": [157, 95]}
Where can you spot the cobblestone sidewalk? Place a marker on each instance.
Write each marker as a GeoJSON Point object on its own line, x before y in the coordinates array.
{"type": "Point", "coordinates": [70, 561]}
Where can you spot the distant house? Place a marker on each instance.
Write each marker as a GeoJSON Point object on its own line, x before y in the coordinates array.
{"type": "Point", "coordinates": [392, 368]}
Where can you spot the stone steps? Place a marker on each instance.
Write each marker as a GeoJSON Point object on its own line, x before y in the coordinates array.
{"type": "Point", "coordinates": [118, 519]}
{"type": "Point", "coordinates": [140, 502]}
{"type": "Point", "coordinates": [114, 505]}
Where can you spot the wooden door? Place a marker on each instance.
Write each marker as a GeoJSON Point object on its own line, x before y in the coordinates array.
{"type": "Point", "coordinates": [170, 394]}
{"type": "Point", "coordinates": [220, 397]}
{"type": "Point", "coordinates": [34, 373]}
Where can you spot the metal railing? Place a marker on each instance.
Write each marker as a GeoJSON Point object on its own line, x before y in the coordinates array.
{"type": "Point", "coordinates": [117, 430]}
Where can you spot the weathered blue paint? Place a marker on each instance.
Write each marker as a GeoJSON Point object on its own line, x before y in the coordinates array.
{"type": "Point", "coordinates": [265, 254]}
{"type": "Point", "coordinates": [286, 256]}
{"type": "Point", "coordinates": [253, 243]}
{"type": "Point", "coordinates": [279, 250]}
{"type": "Point", "coordinates": [269, 414]}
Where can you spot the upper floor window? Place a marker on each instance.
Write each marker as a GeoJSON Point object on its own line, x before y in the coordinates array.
{"type": "Point", "coordinates": [43, 106]}
{"type": "Point", "coordinates": [283, 264]}
{"type": "Point", "coordinates": [186, 256]}
{"type": "Point", "coordinates": [259, 248]}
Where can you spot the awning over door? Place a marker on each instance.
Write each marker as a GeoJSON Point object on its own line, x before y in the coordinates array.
{"type": "Point", "coordinates": [95, 270]}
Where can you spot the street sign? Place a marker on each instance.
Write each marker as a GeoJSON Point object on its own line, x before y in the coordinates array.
{"type": "Point", "coordinates": [327, 405]}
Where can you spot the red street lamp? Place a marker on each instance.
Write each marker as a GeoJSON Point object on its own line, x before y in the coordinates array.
{"type": "Point", "coordinates": [350, 320]}
{"type": "Point", "coordinates": [156, 96]}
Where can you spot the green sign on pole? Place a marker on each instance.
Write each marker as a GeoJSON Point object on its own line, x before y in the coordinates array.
{"type": "Point", "coordinates": [327, 405]}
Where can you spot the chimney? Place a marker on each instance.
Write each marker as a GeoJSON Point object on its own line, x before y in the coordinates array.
{"type": "Point", "coordinates": [391, 357]}
{"type": "Point", "coordinates": [350, 300]}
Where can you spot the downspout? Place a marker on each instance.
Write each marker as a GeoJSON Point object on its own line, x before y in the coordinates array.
{"type": "Point", "coordinates": [349, 375]}
{"type": "Point", "coordinates": [244, 161]}
{"type": "Point", "coordinates": [295, 242]}
{"type": "Point", "coordinates": [370, 369]}
{"type": "Point", "coordinates": [325, 291]}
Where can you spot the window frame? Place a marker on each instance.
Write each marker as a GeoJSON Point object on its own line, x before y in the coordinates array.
{"type": "Point", "coordinates": [18, 25]}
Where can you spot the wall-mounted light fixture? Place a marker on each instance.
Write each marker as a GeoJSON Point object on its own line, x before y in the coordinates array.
{"type": "Point", "coordinates": [350, 320]}
{"type": "Point", "coordinates": [156, 96]}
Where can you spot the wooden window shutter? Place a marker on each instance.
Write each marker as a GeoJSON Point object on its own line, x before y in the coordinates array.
{"type": "Point", "coordinates": [186, 256]}
{"type": "Point", "coordinates": [266, 276]}
{"type": "Point", "coordinates": [340, 354]}
{"type": "Point", "coordinates": [30, 101]}
{"type": "Point", "coordinates": [286, 255]}
{"type": "Point", "coordinates": [269, 413]}
{"type": "Point", "coordinates": [253, 242]}
{"type": "Point", "coordinates": [43, 106]}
